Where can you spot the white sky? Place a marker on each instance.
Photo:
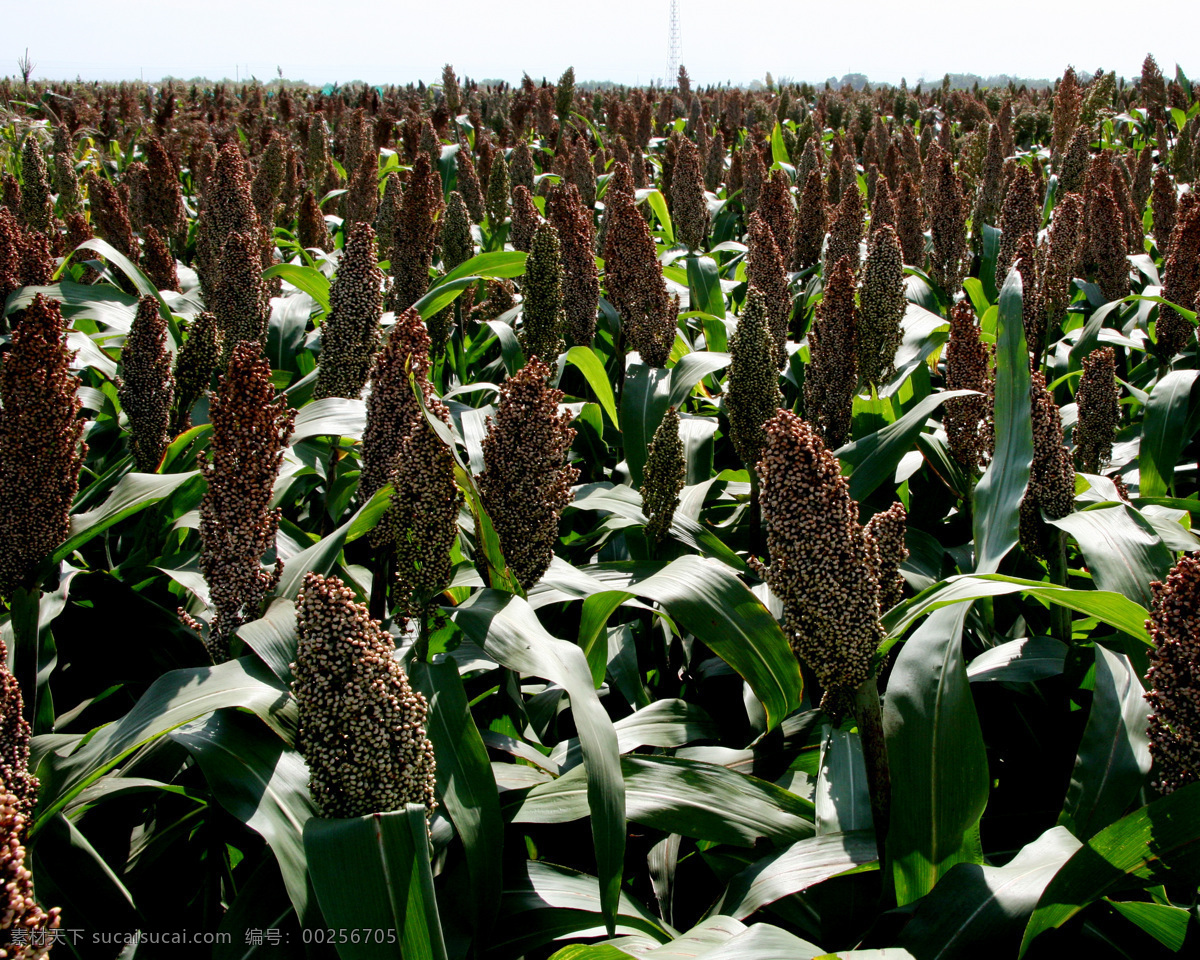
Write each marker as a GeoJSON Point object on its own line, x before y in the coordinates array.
{"type": "Point", "coordinates": [620, 40]}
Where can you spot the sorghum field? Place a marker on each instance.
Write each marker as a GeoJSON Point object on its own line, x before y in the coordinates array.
{"type": "Point", "coordinates": [491, 522]}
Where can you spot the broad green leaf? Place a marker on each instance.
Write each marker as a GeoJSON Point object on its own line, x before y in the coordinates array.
{"type": "Point", "coordinates": [704, 285]}
{"type": "Point", "coordinates": [873, 459]}
{"type": "Point", "coordinates": [680, 796]}
{"type": "Point", "coordinates": [843, 799]}
{"type": "Point", "coordinates": [500, 264]}
{"type": "Point", "coordinates": [544, 902]}
{"type": "Point", "coordinates": [465, 784]}
{"type": "Point", "coordinates": [690, 370]}
{"type": "Point", "coordinates": [330, 417]}
{"type": "Point", "coordinates": [273, 637]}
{"type": "Point", "coordinates": [506, 628]}
{"type": "Point", "coordinates": [1017, 661]}
{"type": "Point", "coordinates": [176, 698]}
{"type": "Point", "coordinates": [644, 400]}
{"type": "Point", "coordinates": [262, 782]}
{"type": "Point", "coordinates": [664, 723]}
{"type": "Point", "coordinates": [372, 876]}
{"type": "Point", "coordinates": [793, 870]}
{"type": "Point", "coordinates": [593, 371]}
{"type": "Point", "coordinates": [978, 910]}
{"type": "Point", "coordinates": [1166, 923]}
{"type": "Point", "coordinates": [999, 493]}
{"type": "Point", "coordinates": [935, 744]}
{"type": "Point", "coordinates": [658, 203]}
{"type": "Point", "coordinates": [987, 262]}
{"type": "Point", "coordinates": [309, 279]}
{"type": "Point", "coordinates": [134, 492]}
{"type": "Point", "coordinates": [1163, 837]}
{"type": "Point", "coordinates": [1163, 436]}
{"type": "Point", "coordinates": [1114, 756]}
{"type": "Point", "coordinates": [1122, 551]}
{"type": "Point", "coordinates": [1111, 608]}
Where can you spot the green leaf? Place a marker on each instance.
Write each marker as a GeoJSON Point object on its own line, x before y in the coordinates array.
{"type": "Point", "coordinates": [644, 400]}
{"type": "Point", "coordinates": [1111, 608]}
{"type": "Point", "coordinates": [507, 628]}
{"type": "Point", "coordinates": [1121, 549]}
{"type": "Point", "coordinates": [174, 699]}
{"type": "Point", "coordinates": [1114, 756]}
{"type": "Point", "coordinates": [273, 637]}
{"type": "Point", "coordinates": [999, 492]}
{"type": "Point", "coordinates": [309, 279]}
{"type": "Point", "coordinates": [593, 371]}
{"type": "Point", "coordinates": [987, 261]}
{"type": "Point", "coordinates": [677, 796]}
{"type": "Point", "coordinates": [133, 493]}
{"type": "Point", "coordinates": [1163, 836]}
{"type": "Point", "coordinates": [140, 281]}
{"type": "Point", "coordinates": [873, 459]}
{"type": "Point", "coordinates": [465, 784]}
{"type": "Point", "coordinates": [704, 286]}
{"type": "Point", "coordinates": [690, 370]}
{"type": "Point", "coordinates": [1165, 923]}
{"type": "Point", "coordinates": [545, 902]}
{"type": "Point", "coordinates": [978, 910]}
{"type": "Point", "coordinates": [1030, 658]}
{"type": "Point", "coordinates": [706, 598]}
{"type": "Point", "coordinates": [1163, 436]}
{"type": "Point", "coordinates": [262, 782]}
{"type": "Point", "coordinates": [658, 203]}
{"type": "Point", "coordinates": [500, 264]}
{"type": "Point", "coordinates": [372, 877]}
{"type": "Point", "coordinates": [935, 744]}
{"type": "Point", "coordinates": [779, 152]}
{"type": "Point", "coordinates": [108, 306]}
{"type": "Point", "coordinates": [330, 417]}
{"type": "Point", "coordinates": [793, 870]}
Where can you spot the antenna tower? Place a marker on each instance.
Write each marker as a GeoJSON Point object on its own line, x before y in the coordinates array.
{"type": "Point", "coordinates": [674, 45]}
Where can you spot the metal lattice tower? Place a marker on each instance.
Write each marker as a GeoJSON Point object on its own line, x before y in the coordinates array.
{"type": "Point", "coordinates": [674, 45]}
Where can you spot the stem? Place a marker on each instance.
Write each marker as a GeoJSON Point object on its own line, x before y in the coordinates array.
{"type": "Point", "coordinates": [870, 729]}
{"type": "Point", "coordinates": [327, 521]}
{"type": "Point", "coordinates": [1056, 562]}
{"type": "Point", "coordinates": [757, 546]}
{"type": "Point", "coordinates": [24, 605]}
{"type": "Point", "coordinates": [380, 574]}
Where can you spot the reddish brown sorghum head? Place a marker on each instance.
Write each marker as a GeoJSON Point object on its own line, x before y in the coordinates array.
{"type": "Point", "coordinates": [663, 476]}
{"type": "Point", "coordinates": [237, 526]}
{"type": "Point", "coordinates": [832, 375]}
{"type": "Point", "coordinates": [1174, 695]}
{"type": "Point", "coordinates": [361, 726]}
{"type": "Point", "coordinates": [1181, 278]}
{"type": "Point", "coordinates": [884, 534]}
{"type": "Point", "coordinates": [195, 363]}
{"type": "Point", "coordinates": [14, 743]}
{"type": "Point", "coordinates": [846, 231]}
{"type": "Point", "coordinates": [634, 278]}
{"type": "Point", "coordinates": [778, 210]}
{"type": "Point", "coordinates": [1019, 218]}
{"type": "Point", "coordinates": [526, 482]}
{"type": "Point", "coordinates": [542, 310]}
{"type": "Point", "coordinates": [1051, 477]}
{"type": "Point", "coordinates": [581, 283]}
{"type": "Point", "coordinates": [19, 910]}
{"type": "Point", "coordinates": [40, 448]}
{"type": "Point", "coordinates": [1104, 250]}
{"type": "Point", "coordinates": [752, 390]}
{"type": "Point", "coordinates": [37, 205]}
{"type": "Point", "coordinates": [468, 184]}
{"type": "Point", "coordinates": [392, 409]}
{"type": "Point", "coordinates": [968, 420]}
{"type": "Point", "coordinates": [157, 262]}
{"type": "Point", "coordinates": [240, 298]}
{"type": "Point", "coordinates": [689, 207]}
{"type": "Point", "coordinates": [164, 208]}
{"type": "Point", "coordinates": [110, 216]}
{"type": "Point", "coordinates": [766, 271]}
{"type": "Point", "coordinates": [312, 231]}
{"type": "Point", "coordinates": [350, 333]}
{"type": "Point", "coordinates": [1060, 260]}
{"type": "Point", "coordinates": [1098, 399]}
{"type": "Point", "coordinates": [882, 306]}
{"type": "Point", "coordinates": [525, 219]}
{"type": "Point", "coordinates": [146, 386]}
{"type": "Point", "coordinates": [947, 212]}
{"type": "Point", "coordinates": [416, 232]}
{"type": "Point", "coordinates": [821, 560]}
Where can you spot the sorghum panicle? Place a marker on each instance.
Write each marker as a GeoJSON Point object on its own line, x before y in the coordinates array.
{"type": "Point", "coordinates": [526, 481]}
{"type": "Point", "coordinates": [525, 219]}
{"type": "Point", "coordinates": [240, 298]}
{"type": "Point", "coordinates": [820, 557]}
{"type": "Point", "coordinates": [832, 375]}
{"type": "Point", "coordinates": [1181, 278]}
{"type": "Point", "coordinates": [19, 909]}
{"type": "Point", "coordinates": [146, 387]}
{"type": "Point", "coordinates": [194, 365]}
{"type": "Point", "coordinates": [766, 271]}
{"type": "Point", "coordinates": [1174, 695]}
{"type": "Point", "coordinates": [40, 444]}
{"type": "Point", "coordinates": [237, 526]}
{"type": "Point", "coordinates": [689, 207]}
{"type": "Point", "coordinates": [350, 334]}
{"type": "Point", "coordinates": [157, 262]}
{"type": "Point", "coordinates": [361, 725]}
{"type": "Point", "coordinates": [312, 231]}
{"type": "Point", "coordinates": [37, 205]}
{"type": "Point", "coordinates": [884, 534]}
{"type": "Point", "coordinates": [1051, 477]}
{"type": "Point", "coordinates": [882, 304]}
{"type": "Point", "coordinates": [752, 390]}
{"type": "Point", "coordinates": [810, 223]}
{"type": "Point", "coordinates": [542, 312]}
{"type": "Point", "coordinates": [415, 234]}
{"type": "Point", "coordinates": [968, 420]}
{"type": "Point", "coordinates": [581, 282]}
{"type": "Point", "coordinates": [1098, 399]}
{"type": "Point", "coordinates": [663, 476]}
{"type": "Point", "coordinates": [846, 231]}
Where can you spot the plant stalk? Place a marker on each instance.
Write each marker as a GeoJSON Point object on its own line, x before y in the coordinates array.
{"type": "Point", "coordinates": [24, 604]}
{"type": "Point", "coordinates": [1056, 562]}
{"type": "Point", "coordinates": [758, 547]}
{"type": "Point", "coordinates": [879, 780]}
